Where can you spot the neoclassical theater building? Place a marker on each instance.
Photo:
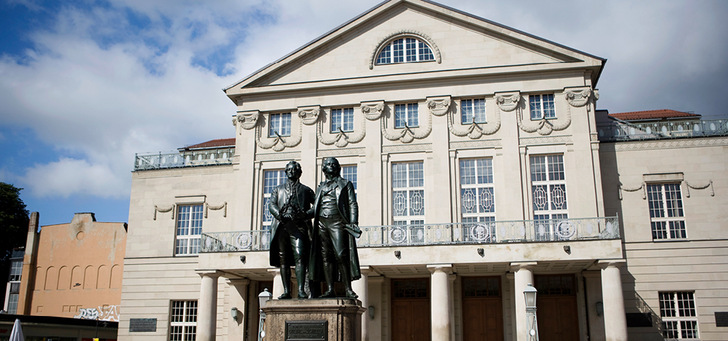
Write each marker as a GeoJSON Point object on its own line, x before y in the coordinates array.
{"type": "Point", "coordinates": [481, 166]}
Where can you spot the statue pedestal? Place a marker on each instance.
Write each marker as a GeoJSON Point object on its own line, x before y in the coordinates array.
{"type": "Point", "coordinates": [334, 319]}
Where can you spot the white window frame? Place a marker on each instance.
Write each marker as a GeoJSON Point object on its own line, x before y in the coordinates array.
{"type": "Point", "coordinates": [186, 321]}
{"type": "Point", "coordinates": [410, 186]}
{"type": "Point", "coordinates": [549, 197]}
{"type": "Point", "coordinates": [538, 106]}
{"type": "Point", "coordinates": [279, 123]}
{"type": "Point", "coordinates": [272, 178]}
{"type": "Point", "coordinates": [667, 223]}
{"type": "Point", "coordinates": [406, 115]}
{"type": "Point", "coordinates": [477, 199]}
{"type": "Point", "coordinates": [679, 315]}
{"type": "Point", "coordinates": [188, 229]}
{"type": "Point", "coordinates": [411, 50]}
{"type": "Point", "coordinates": [472, 110]}
{"type": "Point", "coordinates": [342, 118]}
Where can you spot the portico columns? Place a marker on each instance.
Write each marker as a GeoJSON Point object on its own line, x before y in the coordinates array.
{"type": "Point", "coordinates": [522, 277]}
{"type": "Point", "coordinates": [615, 320]}
{"type": "Point", "coordinates": [277, 282]}
{"type": "Point", "coordinates": [238, 288]}
{"type": "Point", "coordinates": [361, 288]}
{"type": "Point", "coordinates": [207, 306]}
{"type": "Point", "coordinates": [440, 298]}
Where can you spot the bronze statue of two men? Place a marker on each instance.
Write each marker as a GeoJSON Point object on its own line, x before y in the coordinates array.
{"type": "Point", "coordinates": [325, 251]}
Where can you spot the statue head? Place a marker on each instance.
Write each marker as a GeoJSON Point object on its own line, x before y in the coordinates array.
{"type": "Point", "coordinates": [331, 167]}
{"type": "Point", "coordinates": [293, 170]}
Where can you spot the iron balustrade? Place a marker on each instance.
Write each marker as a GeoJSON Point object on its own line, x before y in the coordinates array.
{"type": "Point", "coordinates": [499, 232]}
{"type": "Point", "coordinates": [630, 131]}
{"type": "Point", "coordinates": [161, 160]}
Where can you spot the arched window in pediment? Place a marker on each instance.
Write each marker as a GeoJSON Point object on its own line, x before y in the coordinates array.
{"type": "Point", "coordinates": [405, 47]}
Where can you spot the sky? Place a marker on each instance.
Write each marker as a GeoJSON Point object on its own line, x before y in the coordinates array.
{"type": "Point", "coordinates": [84, 84]}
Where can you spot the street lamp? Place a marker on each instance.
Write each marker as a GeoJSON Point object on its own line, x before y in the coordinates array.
{"type": "Point", "coordinates": [531, 321]}
{"type": "Point", "coordinates": [263, 298]}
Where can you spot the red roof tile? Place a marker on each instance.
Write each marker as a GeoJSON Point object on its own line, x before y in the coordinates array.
{"type": "Point", "coordinates": [213, 144]}
{"type": "Point", "coordinates": [653, 115]}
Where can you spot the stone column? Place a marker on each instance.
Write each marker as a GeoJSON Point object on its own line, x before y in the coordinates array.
{"type": "Point", "coordinates": [523, 276]}
{"type": "Point", "coordinates": [277, 283]}
{"type": "Point", "coordinates": [361, 288]}
{"type": "Point", "coordinates": [615, 320]}
{"type": "Point", "coordinates": [238, 288]}
{"type": "Point", "coordinates": [207, 306]}
{"type": "Point", "coordinates": [440, 298]}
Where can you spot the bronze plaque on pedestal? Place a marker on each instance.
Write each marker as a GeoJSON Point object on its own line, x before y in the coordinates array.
{"type": "Point", "coordinates": [306, 330]}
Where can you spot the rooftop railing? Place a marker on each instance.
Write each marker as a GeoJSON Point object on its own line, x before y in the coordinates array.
{"type": "Point", "coordinates": [499, 232]}
{"type": "Point", "coordinates": [631, 131]}
{"type": "Point", "coordinates": [179, 159]}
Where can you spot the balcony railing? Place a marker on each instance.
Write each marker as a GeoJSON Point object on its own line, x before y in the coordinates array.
{"type": "Point", "coordinates": [499, 232]}
{"type": "Point", "coordinates": [630, 131]}
{"type": "Point", "coordinates": [183, 159]}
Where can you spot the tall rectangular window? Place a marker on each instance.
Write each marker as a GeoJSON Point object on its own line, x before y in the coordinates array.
{"type": "Point", "coordinates": [405, 115]}
{"type": "Point", "coordinates": [16, 270]}
{"type": "Point", "coordinates": [189, 229]}
{"type": "Point", "coordinates": [183, 321]}
{"type": "Point", "coordinates": [408, 193]}
{"type": "Point", "coordinates": [472, 111]}
{"type": "Point", "coordinates": [342, 120]}
{"type": "Point", "coordinates": [271, 180]}
{"type": "Point", "coordinates": [477, 199]}
{"type": "Point", "coordinates": [349, 173]}
{"type": "Point", "coordinates": [666, 211]}
{"type": "Point", "coordinates": [679, 318]}
{"type": "Point", "coordinates": [542, 106]}
{"type": "Point", "coordinates": [548, 190]}
{"type": "Point", "coordinates": [280, 124]}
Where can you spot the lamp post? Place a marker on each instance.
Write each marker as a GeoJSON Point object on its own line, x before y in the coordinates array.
{"type": "Point", "coordinates": [531, 321]}
{"type": "Point", "coordinates": [263, 298]}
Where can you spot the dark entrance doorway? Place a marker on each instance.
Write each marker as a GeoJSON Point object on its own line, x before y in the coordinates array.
{"type": "Point", "coordinates": [482, 309]}
{"type": "Point", "coordinates": [558, 318]}
{"type": "Point", "coordinates": [411, 309]}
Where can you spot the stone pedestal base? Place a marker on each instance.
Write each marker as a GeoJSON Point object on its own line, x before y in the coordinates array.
{"type": "Point", "coordinates": [335, 319]}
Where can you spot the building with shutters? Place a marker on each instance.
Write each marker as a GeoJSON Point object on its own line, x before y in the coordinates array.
{"type": "Point", "coordinates": [481, 165]}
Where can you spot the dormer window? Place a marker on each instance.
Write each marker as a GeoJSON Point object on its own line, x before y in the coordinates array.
{"type": "Point", "coordinates": [405, 50]}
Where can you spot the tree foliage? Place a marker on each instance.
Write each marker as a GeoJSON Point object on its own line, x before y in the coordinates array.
{"type": "Point", "coordinates": [13, 221]}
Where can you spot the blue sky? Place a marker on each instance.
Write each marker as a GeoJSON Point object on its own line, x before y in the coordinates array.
{"type": "Point", "coordinates": [86, 84]}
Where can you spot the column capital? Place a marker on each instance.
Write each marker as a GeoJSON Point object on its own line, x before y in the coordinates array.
{"type": "Point", "coordinates": [275, 271]}
{"type": "Point", "coordinates": [368, 271]}
{"type": "Point", "coordinates": [605, 263]}
{"type": "Point", "coordinates": [208, 273]}
{"type": "Point", "coordinates": [446, 268]}
{"type": "Point", "coordinates": [515, 266]}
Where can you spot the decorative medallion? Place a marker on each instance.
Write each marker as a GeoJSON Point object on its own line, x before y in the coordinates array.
{"type": "Point", "coordinates": [372, 110]}
{"type": "Point", "coordinates": [508, 101]}
{"type": "Point", "coordinates": [247, 119]}
{"type": "Point", "coordinates": [438, 106]}
{"type": "Point", "coordinates": [309, 115]}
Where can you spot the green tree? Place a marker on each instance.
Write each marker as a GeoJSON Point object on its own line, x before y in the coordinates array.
{"type": "Point", "coordinates": [13, 228]}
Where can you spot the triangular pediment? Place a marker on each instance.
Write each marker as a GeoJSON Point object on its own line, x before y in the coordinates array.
{"type": "Point", "coordinates": [459, 42]}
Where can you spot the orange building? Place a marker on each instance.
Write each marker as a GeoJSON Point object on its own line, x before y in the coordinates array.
{"type": "Point", "coordinates": [73, 270]}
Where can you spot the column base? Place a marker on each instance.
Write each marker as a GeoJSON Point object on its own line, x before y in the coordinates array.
{"type": "Point", "coordinates": [313, 319]}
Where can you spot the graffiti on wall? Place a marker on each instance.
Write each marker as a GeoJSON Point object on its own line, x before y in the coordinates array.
{"type": "Point", "coordinates": [102, 313]}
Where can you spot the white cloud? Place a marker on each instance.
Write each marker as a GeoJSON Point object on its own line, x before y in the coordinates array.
{"type": "Point", "coordinates": [68, 177]}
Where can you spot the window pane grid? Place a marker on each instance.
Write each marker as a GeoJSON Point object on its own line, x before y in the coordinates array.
{"type": "Point", "coordinates": [349, 173]}
{"type": "Point", "coordinates": [342, 120]}
{"type": "Point", "coordinates": [405, 50]}
{"type": "Point", "coordinates": [189, 229]}
{"type": "Point", "coordinates": [183, 320]}
{"type": "Point", "coordinates": [406, 115]}
{"type": "Point", "coordinates": [678, 313]}
{"type": "Point", "coordinates": [541, 106]}
{"type": "Point", "coordinates": [548, 191]}
{"type": "Point", "coordinates": [280, 124]}
{"type": "Point", "coordinates": [666, 211]}
{"type": "Point", "coordinates": [271, 180]}
{"type": "Point", "coordinates": [472, 111]}
{"type": "Point", "coordinates": [408, 200]}
{"type": "Point", "coordinates": [477, 199]}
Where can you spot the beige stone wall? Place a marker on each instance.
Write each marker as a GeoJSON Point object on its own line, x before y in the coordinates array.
{"type": "Point", "coordinates": [696, 263]}
{"type": "Point", "coordinates": [79, 269]}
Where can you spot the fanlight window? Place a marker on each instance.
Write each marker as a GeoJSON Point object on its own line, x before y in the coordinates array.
{"type": "Point", "coordinates": [405, 50]}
